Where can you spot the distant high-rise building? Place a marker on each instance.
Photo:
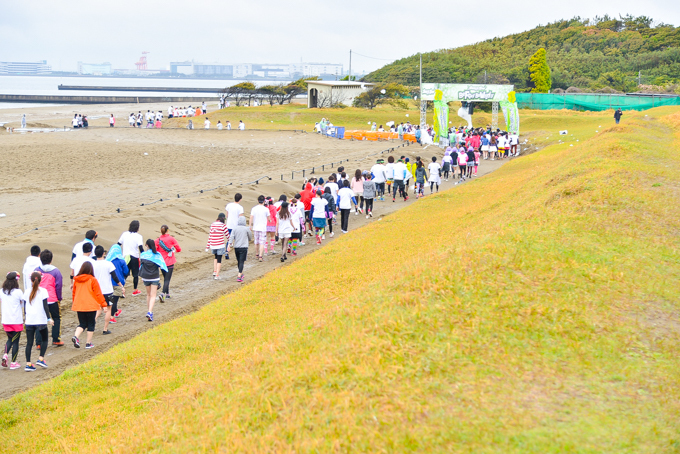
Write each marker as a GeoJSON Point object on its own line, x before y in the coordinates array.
{"type": "Point", "coordinates": [95, 69]}
{"type": "Point", "coordinates": [24, 68]}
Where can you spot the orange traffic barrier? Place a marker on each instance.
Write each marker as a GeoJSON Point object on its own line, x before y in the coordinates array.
{"type": "Point", "coordinates": [375, 135]}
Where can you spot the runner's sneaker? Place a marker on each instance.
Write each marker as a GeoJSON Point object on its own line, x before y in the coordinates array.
{"type": "Point", "coordinates": [57, 344]}
{"type": "Point", "coordinates": [113, 320]}
{"type": "Point", "coordinates": [367, 216]}
{"type": "Point", "coordinates": [118, 312]}
{"type": "Point", "coordinates": [4, 360]}
{"type": "Point", "coordinates": [136, 292]}
{"type": "Point", "coordinates": [106, 332]}
{"type": "Point", "coordinates": [14, 366]}
{"type": "Point", "coordinates": [370, 213]}
{"type": "Point", "coordinates": [90, 345]}
{"type": "Point", "coordinates": [76, 342]}
{"type": "Point", "coordinates": [239, 279]}
{"type": "Point", "coordinates": [41, 363]}
{"type": "Point", "coordinates": [161, 297]}
{"type": "Point", "coordinates": [332, 234]}
{"type": "Point", "coordinates": [167, 296]}
{"type": "Point", "coordinates": [29, 368]}
{"type": "Point", "coordinates": [149, 316]}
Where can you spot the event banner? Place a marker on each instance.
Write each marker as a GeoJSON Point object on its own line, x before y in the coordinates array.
{"type": "Point", "coordinates": [467, 92]}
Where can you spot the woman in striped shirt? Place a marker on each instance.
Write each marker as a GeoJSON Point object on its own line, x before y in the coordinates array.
{"type": "Point", "coordinates": [216, 243]}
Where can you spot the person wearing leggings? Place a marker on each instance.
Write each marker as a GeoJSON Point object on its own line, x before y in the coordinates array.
{"type": "Point", "coordinates": [132, 244]}
{"type": "Point", "coordinates": [239, 239]}
{"type": "Point", "coordinates": [168, 246]}
{"type": "Point", "coordinates": [12, 318]}
{"type": "Point", "coordinates": [37, 318]}
{"type": "Point", "coordinates": [115, 256]}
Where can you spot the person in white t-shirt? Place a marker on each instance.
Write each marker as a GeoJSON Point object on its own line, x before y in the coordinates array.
{"type": "Point", "coordinates": [241, 125]}
{"type": "Point", "coordinates": [132, 244]}
{"type": "Point", "coordinates": [77, 262]}
{"type": "Point", "coordinates": [219, 125]}
{"type": "Point", "coordinates": [37, 318]}
{"type": "Point", "coordinates": [206, 123]}
{"type": "Point", "coordinates": [204, 107]}
{"type": "Point", "coordinates": [285, 227]}
{"type": "Point", "coordinates": [333, 186]}
{"type": "Point", "coordinates": [105, 273]}
{"type": "Point", "coordinates": [319, 215]}
{"type": "Point", "coordinates": [90, 236]}
{"type": "Point", "coordinates": [234, 210]}
{"type": "Point", "coordinates": [259, 217]}
{"type": "Point", "coordinates": [435, 178]}
{"type": "Point", "coordinates": [345, 194]}
{"type": "Point", "coordinates": [32, 262]}
{"type": "Point", "coordinates": [379, 172]}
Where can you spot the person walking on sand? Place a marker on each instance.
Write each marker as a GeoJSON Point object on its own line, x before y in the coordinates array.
{"type": "Point", "coordinates": [259, 217]}
{"type": "Point", "coordinates": [369, 194]}
{"type": "Point", "coordinates": [206, 123]}
{"type": "Point", "coordinates": [151, 264]}
{"type": "Point", "coordinates": [238, 239]}
{"type": "Point", "coordinates": [345, 196]}
{"type": "Point", "coordinates": [77, 262]}
{"type": "Point", "coordinates": [115, 256]}
{"type": "Point", "coordinates": [617, 115]}
{"type": "Point", "coordinates": [37, 319]}
{"type": "Point", "coordinates": [11, 298]}
{"type": "Point", "coordinates": [52, 281]}
{"type": "Point", "coordinates": [357, 185]}
{"type": "Point", "coordinates": [421, 176]}
{"type": "Point", "coordinates": [271, 226]}
{"type": "Point", "coordinates": [216, 243]}
{"type": "Point", "coordinates": [88, 301]}
{"type": "Point", "coordinates": [297, 213]}
{"type": "Point", "coordinates": [112, 121]}
{"type": "Point", "coordinates": [132, 244]}
{"type": "Point", "coordinates": [105, 273]}
{"type": "Point", "coordinates": [241, 125]}
{"type": "Point", "coordinates": [168, 247]}
{"type": "Point", "coordinates": [331, 209]}
{"type": "Point", "coordinates": [32, 262]}
{"type": "Point", "coordinates": [90, 237]}
{"type": "Point", "coordinates": [23, 121]}
{"type": "Point", "coordinates": [234, 211]}
{"type": "Point", "coordinates": [319, 205]}
{"type": "Point", "coordinates": [285, 227]}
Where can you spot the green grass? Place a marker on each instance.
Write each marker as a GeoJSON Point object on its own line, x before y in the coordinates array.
{"type": "Point", "coordinates": [534, 310]}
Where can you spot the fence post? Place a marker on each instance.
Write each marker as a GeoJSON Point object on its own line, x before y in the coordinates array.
{"type": "Point", "coordinates": [312, 170]}
{"type": "Point", "coordinates": [303, 173]}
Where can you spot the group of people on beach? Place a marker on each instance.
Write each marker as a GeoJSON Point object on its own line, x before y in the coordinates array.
{"type": "Point", "coordinates": [97, 283]}
{"type": "Point", "coordinates": [182, 112]}
{"type": "Point", "coordinates": [78, 121]}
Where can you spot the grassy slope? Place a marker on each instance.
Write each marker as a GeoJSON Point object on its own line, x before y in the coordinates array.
{"type": "Point", "coordinates": [534, 310]}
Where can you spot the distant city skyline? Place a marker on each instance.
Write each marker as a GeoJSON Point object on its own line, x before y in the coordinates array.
{"type": "Point", "coordinates": [264, 31]}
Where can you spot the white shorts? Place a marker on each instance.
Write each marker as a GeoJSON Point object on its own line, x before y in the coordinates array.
{"type": "Point", "coordinates": [485, 148]}
{"type": "Point", "coordinates": [284, 235]}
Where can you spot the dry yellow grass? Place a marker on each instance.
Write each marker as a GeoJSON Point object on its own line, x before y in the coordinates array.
{"type": "Point", "coordinates": [533, 310]}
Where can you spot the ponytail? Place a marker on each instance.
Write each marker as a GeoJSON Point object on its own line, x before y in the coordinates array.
{"type": "Point", "coordinates": [151, 244]}
{"type": "Point", "coordinates": [36, 278]}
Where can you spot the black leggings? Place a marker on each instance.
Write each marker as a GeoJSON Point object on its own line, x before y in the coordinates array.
{"type": "Point", "coordinates": [241, 254]}
{"type": "Point", "coordinates": [167, 275]}
{"type": "Point", "coordinates": [55, 313]}
{"type": "Point", "coordinates": [344, 219]}
{"type": "Point", "coordinates": [463, 169]}
{"type": "Point", "coordinates": [86, 320]}
{"type": "Point", "coordinates": [134, 270]}
{"type": "Point", "coordinates": [114, 305]}
{"type": "Point", "coordinates": [369, 205]}
{"type": "Point", "coordinates": [31, 331]}
{"type": "Point", "coordinates": [13, 344]}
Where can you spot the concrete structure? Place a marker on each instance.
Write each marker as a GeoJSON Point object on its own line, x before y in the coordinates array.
{"type": "Point", "coordinates": [95, 69]}
{"type": "Point", "coordinates": [24, 68]}
{"type": "Point", "coordinates": [322, 93]}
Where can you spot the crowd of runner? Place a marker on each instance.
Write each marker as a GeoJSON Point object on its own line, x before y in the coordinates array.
{"type": "Point", "coordinates": [98, 276]}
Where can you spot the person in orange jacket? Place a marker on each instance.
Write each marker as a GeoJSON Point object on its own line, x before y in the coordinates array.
{"type": "Point", "coordinates": [88, 301]}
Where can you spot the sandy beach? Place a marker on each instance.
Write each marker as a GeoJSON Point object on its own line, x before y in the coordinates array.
{"type": "Point", "coordinates": [69, 182]}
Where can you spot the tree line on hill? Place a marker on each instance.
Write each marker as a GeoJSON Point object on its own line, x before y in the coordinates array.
{"type": "Point", "coordinates": [603, 54]}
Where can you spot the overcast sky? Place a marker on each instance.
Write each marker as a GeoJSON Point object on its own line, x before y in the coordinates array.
{"type": "Point", "coordinates": [274, 31]}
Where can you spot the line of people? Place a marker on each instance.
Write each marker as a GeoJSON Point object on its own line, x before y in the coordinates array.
{"type": "Point", "coordinates": [98, 279]}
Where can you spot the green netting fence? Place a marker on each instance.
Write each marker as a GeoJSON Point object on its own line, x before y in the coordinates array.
{"type": "Point", "coordinates": [594, 101]}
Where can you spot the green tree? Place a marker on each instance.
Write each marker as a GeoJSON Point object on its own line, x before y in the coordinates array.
{"type": "Point", "coordinates": [382, 93]}
{"type": "Point", "coordinates": [540, 72]}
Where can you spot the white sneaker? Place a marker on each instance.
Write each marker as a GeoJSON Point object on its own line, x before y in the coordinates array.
{"type": "Point", "coordinates": [367, 216]}
{"type": "Point", "coordinates": [356, 212]}
{"type": "Point", "coordinates": [323, 237]}
{"type": "Point", "coordinates": [370, 214]}
{"type": "Point", "coordinates": [332, 233]}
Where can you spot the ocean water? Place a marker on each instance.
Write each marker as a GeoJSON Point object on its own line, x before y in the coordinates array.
{"type": "Point", "coordinates": [47, 85]}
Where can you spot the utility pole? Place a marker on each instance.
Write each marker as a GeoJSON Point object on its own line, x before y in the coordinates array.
{"type": "Point", "coordinates": [423, 103]}
{"type": "Point", "coordinates": [485, 77]}
{"type": "Point", "coordinates": [349, 78]}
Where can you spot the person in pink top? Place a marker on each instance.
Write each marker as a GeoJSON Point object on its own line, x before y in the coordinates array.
{"type": "Point", "coordinates": [357, 186]}
{"type": "Point", "coordinates": [168, 246]}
